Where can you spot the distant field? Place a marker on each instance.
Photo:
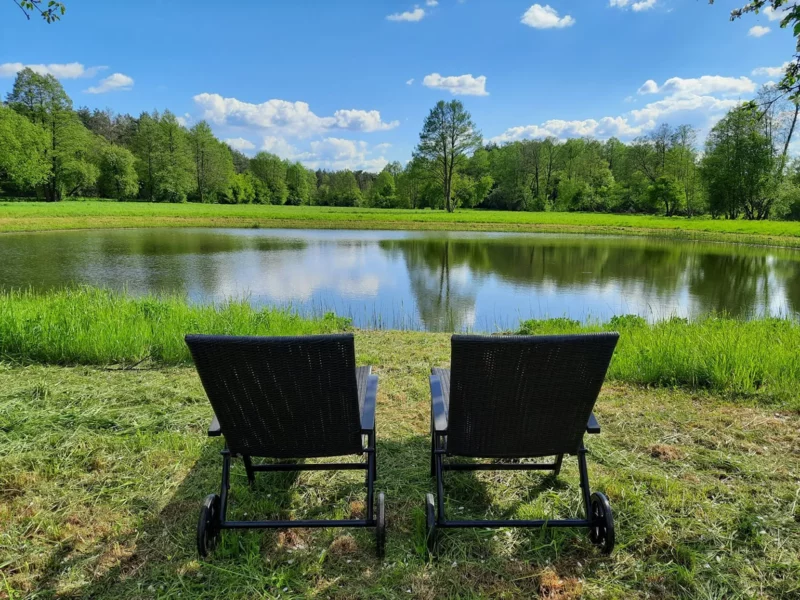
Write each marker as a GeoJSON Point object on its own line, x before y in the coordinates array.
{"type": "Point", "coordinates": [40, 216]}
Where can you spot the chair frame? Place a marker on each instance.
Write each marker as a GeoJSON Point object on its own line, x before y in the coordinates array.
{"type": "Point", "coordinates": [213, 514]}
{"type": "Point", "coordinates": [597, 511]}
{"type": "Point", "coordinates": [370, 466]}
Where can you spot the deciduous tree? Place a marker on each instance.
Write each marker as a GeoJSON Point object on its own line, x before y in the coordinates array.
{"type": "Point", "coordinates": [447, 136]}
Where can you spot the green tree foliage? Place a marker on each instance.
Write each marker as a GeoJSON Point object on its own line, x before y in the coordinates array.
{"type": "Point", "coordinates": [298, 185]}
{"type": "Point", "coordinates": [50, 12]}
{"type": "Point", "coordinates": [344, 189]}
{"type": "Point", "coordinates": [738, 166]}
{"type": "Point", "coordinates": [241, 190]}
{"type": "Point", "coordinates": [447, 136]}
{"type": "Point", "coordinates": [118, 178]}
{"type": "Point", "coordinates": [213, 163]}
{"type": "Point", "coordinates": [22, 158]}
{"type": "Point", "coordinates": [43, 101]}
{"type": "Point", "coordinates": [384, 191]}
{"type": "Point", "coordinates": [270, 170]}
{"type": "Point", "coordinates": [174, 175]}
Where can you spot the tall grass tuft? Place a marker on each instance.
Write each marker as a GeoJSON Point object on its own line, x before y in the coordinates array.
{"type": "Point", "coordinates": [92, 326]}
{"type": "Point", "coordinates": [738, 357]}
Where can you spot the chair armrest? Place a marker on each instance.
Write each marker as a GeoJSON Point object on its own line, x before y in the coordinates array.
{"type": "Point", "coordinates": [592, 426]}
{"type": "Point", "coordinates": [368, 408]}
{"type": "Point", "coordinates": [214, 429]}
{"type": "Point", "coordinates": [438, 408]}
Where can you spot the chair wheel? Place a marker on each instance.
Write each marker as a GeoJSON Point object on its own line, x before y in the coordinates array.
{"type": "Point", "coordinates": [208, 529]}
{"type": "Point", "coordinates": [430, 525]}
{"type": "Point", "coordinates": [380, 526]}
{"type": "Point", "coordinates": [601, 531]}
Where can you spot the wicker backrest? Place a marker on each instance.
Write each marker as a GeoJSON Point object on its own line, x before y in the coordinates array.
{"type": "Point", "coordinates": [282, 397]}
{"type": "Point", "coordinates": [520, 396]}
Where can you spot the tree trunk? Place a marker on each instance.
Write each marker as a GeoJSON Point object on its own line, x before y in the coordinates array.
{"type": "Point", "coordinates": [789, 138]}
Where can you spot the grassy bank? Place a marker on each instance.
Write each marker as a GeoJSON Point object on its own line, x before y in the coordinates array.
{"type": "Point", "coordinates": [744, 359]}
{"type": "Point", "coordinates": [102, 473]}
{"type": "Point", "coordinates": [28, 216]}
{"type": "Point", "coordinates": [97, 327]}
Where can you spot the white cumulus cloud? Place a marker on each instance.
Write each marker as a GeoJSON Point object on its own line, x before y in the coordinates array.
{"type": "Point", "coordinates": [289, 118]}
{"type": "Point", "coordinates": [635, 6]}
{"type": "Point", "coordinates": [604, 128]}
{"type": "Point", "coordinates": [776, 15]}
{"type": "Point", "coordinates": [770, 71]}
{"type": "Point", "coordinates": [72, 70]}
{"type": "Point", "coordinates": [545, 17]}
{"type": "Point", "coordinates": [707, 84]}
{"type": "Point", "coordinates": [458, 85]}
{"type": "Point", "coordinates": [410, 16]}
{"type": "Point", "coordinates": [648, 87]}
{"type": "Point", "coordinates": [240, 144]}
{"type": "Point", "coordinates": [682, 103]}
{"type": "Point", "coordinates": [331, 153]}
{"type": "Point", "coordinates": [643, 5]}
{"type": "Point", "coordinates": [758, 30]}
{"type": "Point", "coordinates": [410, 81]}
{"type": "Point", "coordinates": [116, 82]}
{"type": "Point", "coordinates": [432, 3]}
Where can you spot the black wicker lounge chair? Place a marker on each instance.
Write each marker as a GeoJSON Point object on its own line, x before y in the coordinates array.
{"type": "Point", "coordinates": [287, 398]}
{"type": "Point", "coordinates": [513, 398]}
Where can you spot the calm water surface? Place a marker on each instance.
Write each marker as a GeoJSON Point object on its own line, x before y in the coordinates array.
{"type": "Point", "coordinates": [424, 280]}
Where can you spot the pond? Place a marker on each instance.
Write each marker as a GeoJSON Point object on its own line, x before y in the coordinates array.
{"type": "Point", "coordinates": [422, 280]}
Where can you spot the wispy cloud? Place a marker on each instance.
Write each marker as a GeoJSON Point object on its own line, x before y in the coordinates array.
{"type": "Point", "coordinates": [410, 15]}
{"type": "Point", "coordinates": [113, 83]}
{"type": "Point", "coordinates": [72, 70]}
{"type": "Point", "coordinates": [545, 17]}
{"type": "Point", "coordinates": [458, 85]}
{"type": "Point", "coordinates": [758, 30]}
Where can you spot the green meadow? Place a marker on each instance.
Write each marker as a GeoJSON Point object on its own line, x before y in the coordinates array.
{"type": "Point", "coordinates": [104, 462]}
{"type": "Point", "coordinates": [42, 216]}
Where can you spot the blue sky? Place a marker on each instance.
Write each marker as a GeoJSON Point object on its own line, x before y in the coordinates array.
{"type": "Point", "coordinates": [330, 82]}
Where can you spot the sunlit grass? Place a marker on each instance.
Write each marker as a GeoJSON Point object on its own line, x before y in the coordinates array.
{"type": "Point", "coordinates": [93, 326]}
{"type": "Point", "coordinates": [754, 359]}
{"type": "Point", "coordinates": [102, 473]}
{"type": "Point", "coordinates": [38, 216]}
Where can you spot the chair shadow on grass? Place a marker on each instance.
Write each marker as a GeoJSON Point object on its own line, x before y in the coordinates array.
{"type": "Point", "coordinates": [163, 557]}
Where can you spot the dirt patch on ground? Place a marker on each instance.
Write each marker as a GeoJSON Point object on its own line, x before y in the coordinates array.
{"type": "Point", "coordinates": [666, 452]}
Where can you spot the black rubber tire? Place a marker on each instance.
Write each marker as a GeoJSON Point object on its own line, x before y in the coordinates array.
{"type": "Point", "coordinates": [430, 526]}
{"type": "Point", "coordinates": [601, 532]}
{"type": "Point", "coordinates": [208, 529]}
{"type": "Point", "coordinates": [380, 526]}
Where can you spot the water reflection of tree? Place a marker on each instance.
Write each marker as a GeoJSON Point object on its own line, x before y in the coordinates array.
{"type": "Point", "coordinates": [730, 284]}
{"type": "Point", "coordinates": [141, 261]}
{"type": "Point", "coordinates": [532, 262]}
{"type": "Point", "coordinates": [720, 278]}
{"type": "Point", "coordinates": [444, 302]}
{"type": "Point", "coordinates": [787, 271]}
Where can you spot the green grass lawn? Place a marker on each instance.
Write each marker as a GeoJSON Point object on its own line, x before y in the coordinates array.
{"type": "Point", "coordinates": [38, 216]}
{"type": "Point", "coordinates": [102, 471]}
{"type": "Point", "coordinates": [748, 361]}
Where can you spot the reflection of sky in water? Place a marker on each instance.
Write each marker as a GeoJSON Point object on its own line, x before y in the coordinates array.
{"type": "Point", "coordinates": [433, 280]}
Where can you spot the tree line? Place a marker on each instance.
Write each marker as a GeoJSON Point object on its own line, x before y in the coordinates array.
{"type": "Point", "coordinates": [50, 151]}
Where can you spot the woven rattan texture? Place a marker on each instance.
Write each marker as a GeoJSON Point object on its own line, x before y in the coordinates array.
{"type": "Point", "coordinates": [283, 397]}
{"type": "Point", "coordinates": [523, 396]}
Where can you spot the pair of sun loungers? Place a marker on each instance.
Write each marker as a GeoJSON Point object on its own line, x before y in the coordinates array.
{"type": "Point", "coordinates": [504, 399]}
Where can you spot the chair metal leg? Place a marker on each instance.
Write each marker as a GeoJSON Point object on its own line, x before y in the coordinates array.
{"type": "Point", "coordinates": [439, 485]}
{"type": "Point", "coordinates": [585, 489]}
{"type": "Point", "coordinates": [557, 469]}
{"type": "Point", "coordinates": [226, 483]}
{"type": "Point", "coordinates": [248, 466]}
{"type": "Point", "coordinates": [371, 471]}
